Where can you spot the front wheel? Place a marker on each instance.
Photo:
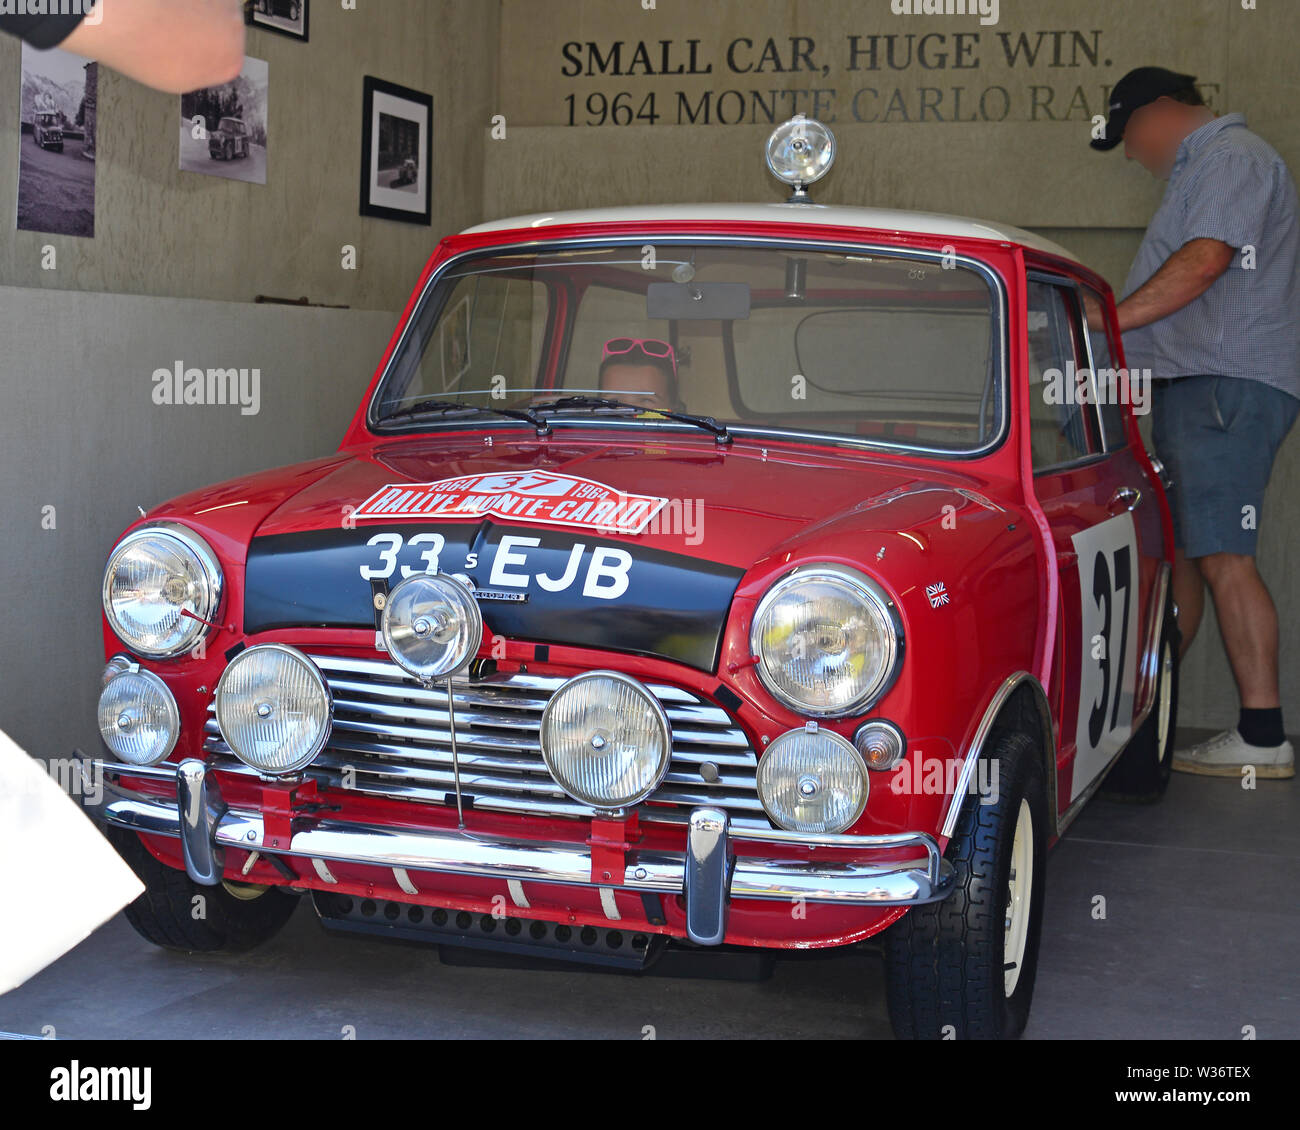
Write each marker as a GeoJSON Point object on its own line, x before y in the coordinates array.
{"type": "Point", "coordinates": [964, 968]}
{"type": "Point", "coordinates": [176, 913]}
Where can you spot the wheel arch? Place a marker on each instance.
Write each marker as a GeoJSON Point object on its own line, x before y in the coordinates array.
{"type": "Point", "coordinates": [1018, 705]}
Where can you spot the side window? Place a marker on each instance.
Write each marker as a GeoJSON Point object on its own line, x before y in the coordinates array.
{"type": "Point", "coordinates": [1109, 384]}
{"type": "Point", "coordinates": [1061, 429]}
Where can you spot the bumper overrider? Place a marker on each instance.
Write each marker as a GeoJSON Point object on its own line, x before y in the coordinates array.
{"type": "Point", "coordinates": [708, 873]}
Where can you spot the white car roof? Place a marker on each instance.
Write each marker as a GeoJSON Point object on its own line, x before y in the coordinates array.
{"type": "Point", "coordinates": [886, 219]}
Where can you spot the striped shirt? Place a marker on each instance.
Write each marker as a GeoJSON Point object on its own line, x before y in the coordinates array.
{"type": "Point", "coordinates": [1230, 185]}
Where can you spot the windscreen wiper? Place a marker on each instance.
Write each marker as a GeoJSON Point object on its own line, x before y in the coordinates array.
{"type": "Point", "coordinates": [708, 423]}
{"type": "Point", "coordinates": [441, 407]}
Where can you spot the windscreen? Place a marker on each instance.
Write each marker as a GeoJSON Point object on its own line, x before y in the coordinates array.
{"type": "Point", "coordinates": [887, 348]}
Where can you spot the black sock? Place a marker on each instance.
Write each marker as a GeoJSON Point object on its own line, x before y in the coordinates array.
{"type": "Point", "coordinates": [1261, 727]}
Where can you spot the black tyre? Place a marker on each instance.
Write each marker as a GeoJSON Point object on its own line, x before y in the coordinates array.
{"type": "Point", "coordinates": [235, 917]}
{"type": "Point", "coordinates": [1141, 774]}
{"type": "Point", "coordinates": [964, 968]}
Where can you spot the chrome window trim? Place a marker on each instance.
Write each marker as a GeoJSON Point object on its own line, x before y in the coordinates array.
{"type": "Point", "coordinates": [999, 337]}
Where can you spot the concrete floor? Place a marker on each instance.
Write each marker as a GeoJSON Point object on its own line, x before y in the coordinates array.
{"type": "Point", "coordinates": [1198, 941]}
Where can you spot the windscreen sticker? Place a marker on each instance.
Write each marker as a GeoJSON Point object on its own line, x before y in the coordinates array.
{"type": "Point", "coordinates": [535, 496]}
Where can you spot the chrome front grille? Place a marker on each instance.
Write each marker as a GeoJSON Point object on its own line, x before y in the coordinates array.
{"type": "Point", "coordinates": [391, 738]}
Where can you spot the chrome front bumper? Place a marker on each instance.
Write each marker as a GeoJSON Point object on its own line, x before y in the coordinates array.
{"type": "Point", "coordinates": [707, 873]}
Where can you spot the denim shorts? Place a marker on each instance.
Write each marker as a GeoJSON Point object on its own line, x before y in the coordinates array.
{"type": "Point", "coordinates": [1218, 437]}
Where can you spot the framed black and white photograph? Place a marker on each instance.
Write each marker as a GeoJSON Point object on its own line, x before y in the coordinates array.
{"type": "Point", "coordinates": [56, 168]}
{"type": "Point", "coordinates": [396, 142]}
{"type": "Point", "coordinates": [223, 128]}
{"type": "Point", "coordinates": [284, 17]}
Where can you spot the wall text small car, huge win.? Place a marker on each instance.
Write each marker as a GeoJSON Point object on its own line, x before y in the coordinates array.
{"type": "Point", "coordinates": [765, 576]}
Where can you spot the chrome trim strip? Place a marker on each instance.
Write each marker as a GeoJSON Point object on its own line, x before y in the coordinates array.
{"type": "Point", "coordinates": [1150, 664]}
{"type": "Point", "coordinates": [1000, 336]}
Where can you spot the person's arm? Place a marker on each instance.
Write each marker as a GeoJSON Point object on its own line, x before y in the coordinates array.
{"type": "Point", "coordinates": [1187, 274]}
{"type": "Point", "coordinates": [172, 45]}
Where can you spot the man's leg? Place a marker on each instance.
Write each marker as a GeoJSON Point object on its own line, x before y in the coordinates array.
{"type": "Point", "coordinates": [1235, 430]}
{"type": "Point", "coordinates": [1189, 595]}
{"type": "Point", "coordinates": [1248, 620]}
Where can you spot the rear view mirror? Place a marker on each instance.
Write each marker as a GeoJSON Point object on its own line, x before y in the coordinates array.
{"type": "Point", "coordinates": [697, 302]}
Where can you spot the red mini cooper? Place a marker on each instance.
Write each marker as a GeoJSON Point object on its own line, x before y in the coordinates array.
{"type": "Point", "coordinates": [765, 576]}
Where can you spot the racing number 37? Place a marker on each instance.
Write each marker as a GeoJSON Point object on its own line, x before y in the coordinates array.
{"type": "Point", "coordinates": [1108, 573]}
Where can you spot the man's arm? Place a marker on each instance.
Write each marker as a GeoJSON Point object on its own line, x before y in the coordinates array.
{"type": "Point", "coordinates": [172, 45]}
{"type": "Point", "coordinates": [1187, 274]}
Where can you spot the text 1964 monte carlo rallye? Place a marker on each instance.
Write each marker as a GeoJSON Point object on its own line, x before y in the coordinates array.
{"type": "Point", "coordinates": [767, 576]}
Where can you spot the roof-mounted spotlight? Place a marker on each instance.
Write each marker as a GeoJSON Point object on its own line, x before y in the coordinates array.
{"type": "Point", "coordinates": [800, 152]}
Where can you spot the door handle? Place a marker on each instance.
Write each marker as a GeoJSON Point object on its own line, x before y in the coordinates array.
{"type": "Point", "coordinates": [1125, 498]}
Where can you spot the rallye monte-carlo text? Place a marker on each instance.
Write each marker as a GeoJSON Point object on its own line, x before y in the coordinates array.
{"type": "Point", "coordinates": [771, 576]}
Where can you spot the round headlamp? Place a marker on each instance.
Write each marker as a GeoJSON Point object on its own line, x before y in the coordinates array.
{"type": "Point", "coordinates": [138, 718]}
{"type": "Point", "coordinates": [432, 626]}
{"type": "Point", "coordinates": [812, 781]}
{"type": "Point", "coordinates": [274, 709]}
{"type": "Point", "coordinates": [160, 584]}
{"type": "Point", "coordinates": [800, 151]}
{"type": "Point", "coordinates": [606, 740]}
{"type": "Point", "coordinates": [828, 641]}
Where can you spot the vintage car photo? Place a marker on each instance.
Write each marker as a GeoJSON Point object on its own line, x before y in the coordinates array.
{"type": "Point", "coordinates": [285, 17]}
{"type": "Point", "coordinates": [47, 130]}
{"type": "Point", "coordinates": [757, 578]}
{"type": "Point", "coordinates": [224, 129]}
{"type": "Point", "coordinates": [58, 97]}
{"type": "Point", "coordinates": [229, 140]}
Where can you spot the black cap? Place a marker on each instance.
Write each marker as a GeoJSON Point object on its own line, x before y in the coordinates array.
{"type": "Point", "coordinates": [1134, 90]}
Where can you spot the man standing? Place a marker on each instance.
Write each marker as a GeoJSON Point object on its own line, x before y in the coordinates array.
{"type": "Point", "coordinates": [1210, 308]}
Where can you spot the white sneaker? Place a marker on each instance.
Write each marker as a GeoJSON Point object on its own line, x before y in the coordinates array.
{"type": "Point", "coordinates": [1225, 754]}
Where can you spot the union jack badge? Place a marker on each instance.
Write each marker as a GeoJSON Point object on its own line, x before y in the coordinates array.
{"type": "Point", "coordinates": [938, 595]}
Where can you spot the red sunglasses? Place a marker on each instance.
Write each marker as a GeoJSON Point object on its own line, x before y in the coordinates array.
{"type": "Point", "coordinates": [650, 346]}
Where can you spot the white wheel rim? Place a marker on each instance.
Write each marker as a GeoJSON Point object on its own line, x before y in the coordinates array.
{"type": "Point", "coordinates": [1165, 705]}
{"type": "Point", "coordinates": [1020, 886]}
{"type": "Point", "coordinates": [245, 892]}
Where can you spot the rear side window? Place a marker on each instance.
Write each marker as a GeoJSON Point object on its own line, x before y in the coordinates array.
{"type": "Point", "coordinates": [1109, 380]}
{"type": "Point", "coordinates": [1062, 430]}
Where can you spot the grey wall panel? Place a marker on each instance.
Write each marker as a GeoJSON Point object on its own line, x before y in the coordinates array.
{"type": "Point", "coordinates": [79, 431]}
